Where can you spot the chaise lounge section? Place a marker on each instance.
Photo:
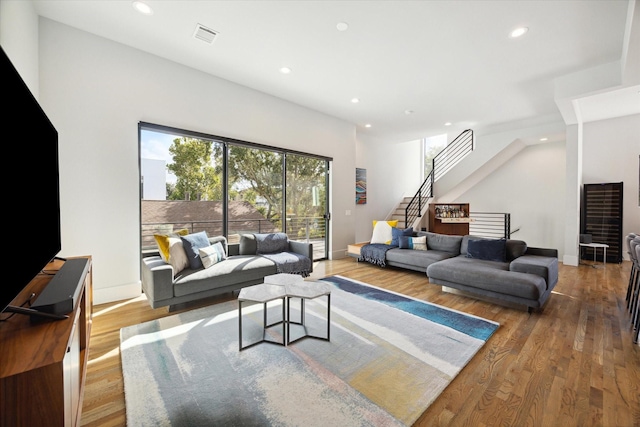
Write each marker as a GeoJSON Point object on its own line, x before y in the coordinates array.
{"type": "Point", "coordinates": [507, 271]}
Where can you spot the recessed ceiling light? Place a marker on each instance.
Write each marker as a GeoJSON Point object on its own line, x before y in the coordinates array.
{"type": "Point", "coordinates": [285, 70]}
{"type": "Point", "coordinates": [342, 26]}
{"type": "Point", "coordinates": [368, 125]}
{"type": "Point", "coordinates": [544, 139]}
{"type": "Point", "coordinates": [142, 7]}
{"type": "Point", "coordinates": [355, 100]}
{"type": "Point", "coordinates": [448, 124]}
{"type": "Point", "coordinates": [520, 31]}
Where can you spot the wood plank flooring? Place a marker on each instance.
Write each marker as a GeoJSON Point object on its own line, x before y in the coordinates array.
{"type": "Point", "coordinates": [573, 364]}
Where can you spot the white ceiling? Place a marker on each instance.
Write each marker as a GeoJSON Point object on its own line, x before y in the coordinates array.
{"type": "Point", "coordinates": [446, 61]}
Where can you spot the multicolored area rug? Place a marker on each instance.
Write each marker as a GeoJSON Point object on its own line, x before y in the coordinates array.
{"type": "Point", "coordinates": [389, 358]}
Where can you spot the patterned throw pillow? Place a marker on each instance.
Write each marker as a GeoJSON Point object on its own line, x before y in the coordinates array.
{"type": "Point", "coordinates": [383, 232]}
{"type": "Point", "coordinates": [212, 254]}
{"type": "Point", "coordinates": [162, 240]}
{"type": "Point", "coordinates": [416, 243]}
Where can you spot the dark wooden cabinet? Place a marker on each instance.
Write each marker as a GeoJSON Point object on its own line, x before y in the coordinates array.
{"type": "Point", "coordinates": [43, 367]}
{"type": "Point", "coordinates": [601, 217]}
{"type": "Point", "coordinates": [449, 218]}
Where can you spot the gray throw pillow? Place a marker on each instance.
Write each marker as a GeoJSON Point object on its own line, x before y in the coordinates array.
{"type": "Point", "coordinates": [271, 243]}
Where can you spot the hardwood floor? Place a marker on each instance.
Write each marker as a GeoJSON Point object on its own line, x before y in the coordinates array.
{"type": "Point", "coordinates": [573, 364]}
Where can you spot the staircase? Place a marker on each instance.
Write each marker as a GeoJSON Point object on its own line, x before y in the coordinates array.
{"type": "Point", "coordinates": [410, 210]}
{"type": "Point", "coordinates": [399, 213]}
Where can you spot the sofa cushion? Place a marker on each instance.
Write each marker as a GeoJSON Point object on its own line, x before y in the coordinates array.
{"type": "Point", "coordinates": [487, 249]}
{"type": "Point", "coordinates": [442, 242]}
{"type": "Point", "coordinates": [211, 255]}
{"type": "Point", "coordinates": [396, 233]}
{"type": "Point", "coordinates": [420, 259]}
{"type": "Point", "coordinates": [193, 242]}
{"type": "Point", "coordinates": [271, 243]}
{"type": "Point", "coordinates": [233, 270]}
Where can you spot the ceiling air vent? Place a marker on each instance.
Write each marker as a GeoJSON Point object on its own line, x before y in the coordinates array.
{"type": "Point", "coordinates": [205, 34]}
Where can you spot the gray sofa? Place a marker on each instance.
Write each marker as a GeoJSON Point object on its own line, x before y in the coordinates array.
{"type": "Point", "coordinates": [524, 279]}
{"type": "Point", "coordinates": [243, 266]}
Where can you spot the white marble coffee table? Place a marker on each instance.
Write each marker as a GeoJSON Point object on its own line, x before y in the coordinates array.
{"type": "Point", "coordinates": [284, 287]}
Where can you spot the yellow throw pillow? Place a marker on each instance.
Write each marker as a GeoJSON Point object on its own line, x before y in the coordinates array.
{"type": "Point", "coordinates": [382, 231]}
{"type": "Point", "coordinates": [163, 246]}
{"type": "Point", "coordinates": [162, 240]}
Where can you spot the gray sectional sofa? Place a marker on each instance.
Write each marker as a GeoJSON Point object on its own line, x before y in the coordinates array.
{"type": "Point", "coordinates": [523, 276]}
{"type": "Point", "coordinates": [245, 265]}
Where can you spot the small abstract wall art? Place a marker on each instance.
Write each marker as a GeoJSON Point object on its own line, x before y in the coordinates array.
{"type": "Point", "coordinates": [361, 186]}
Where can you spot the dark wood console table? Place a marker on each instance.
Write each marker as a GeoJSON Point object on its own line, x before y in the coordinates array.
{"type": "Point", "coordinates": [43, 367]}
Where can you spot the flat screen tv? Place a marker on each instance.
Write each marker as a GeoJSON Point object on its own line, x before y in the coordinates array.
{"type": "Point", "coordinates": [32, 196]}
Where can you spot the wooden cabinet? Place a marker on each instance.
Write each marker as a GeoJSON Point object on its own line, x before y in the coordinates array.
{"type": "Point", "coordinates": [449, 218]}
{"type": "Point", "coordinates": [44, 362]}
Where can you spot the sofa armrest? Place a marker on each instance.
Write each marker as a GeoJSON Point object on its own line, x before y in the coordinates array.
{"type": "Point", "coordinates": [157, 279]}
{"type": "Point", "coordinates": [539, 265]}
{"type": "Point", "coordinates": [233, 249]}
{"type": "Point", "coordinates": [542, 252]}
{"type": "Point", "coordinates": [302, 248]}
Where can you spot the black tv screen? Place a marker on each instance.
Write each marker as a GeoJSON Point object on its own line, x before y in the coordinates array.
{"type": "Point", "coordinates": [32, 196]}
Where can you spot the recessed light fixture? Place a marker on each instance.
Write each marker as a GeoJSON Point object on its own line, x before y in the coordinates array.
{"type": "Point", "coordinates": [520, 31]}
{"type": "Point", "coordinates": [448, 124]}
{"type": "Point", "coordinates": [142, 7]}
{"type": "Point", "coordinates": [368, 125]}
{"type": "Point", "coordinates": [342, 26]}
{"type": "Point", "coordinates": [544, 139]}
{"type": "Point", "coordinates": [285, 70]}
{"type": "Point", "coordinates": [355, 100]}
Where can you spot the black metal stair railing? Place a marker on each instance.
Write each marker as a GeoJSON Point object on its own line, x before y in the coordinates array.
{"type": "Point", "coordinates": [494, 225]}
{"type": "Point", "coordinates": [453, 153]}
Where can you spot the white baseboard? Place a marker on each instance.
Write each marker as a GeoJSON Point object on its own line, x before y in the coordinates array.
{"type": "Point", "coordinates": [117, 293]}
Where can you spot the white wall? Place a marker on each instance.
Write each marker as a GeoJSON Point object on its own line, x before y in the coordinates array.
{"type": "Point", "coordinates": [610, 154]}
{"type": "Point", "coordinates": [19, 40]}
{"type": "Point", "coordinates": [97, 92]}
{"type": "Point", "coordinates": [530, 186]}
{"type": "Point", "coordinates": [393, 171]}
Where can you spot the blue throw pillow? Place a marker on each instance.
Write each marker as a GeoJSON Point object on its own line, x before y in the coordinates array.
{"type": "Point", "coordinates": [192, 244]}
{"type": "Point", "coordinates": [397, 232]}
{"type": "Point", "coordinates": [487, 249]}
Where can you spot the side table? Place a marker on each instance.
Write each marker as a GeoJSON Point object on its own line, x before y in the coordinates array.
{"type": "Point", "coordinates": [595, 247]}
{"type": "Point", "coordinates": [307, 290]}
{"type": "Point", "coordinates": [262, 293]}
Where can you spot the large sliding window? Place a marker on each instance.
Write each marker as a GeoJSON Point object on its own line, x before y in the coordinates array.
{"type": "Point", "coordinates": [230, 187]}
